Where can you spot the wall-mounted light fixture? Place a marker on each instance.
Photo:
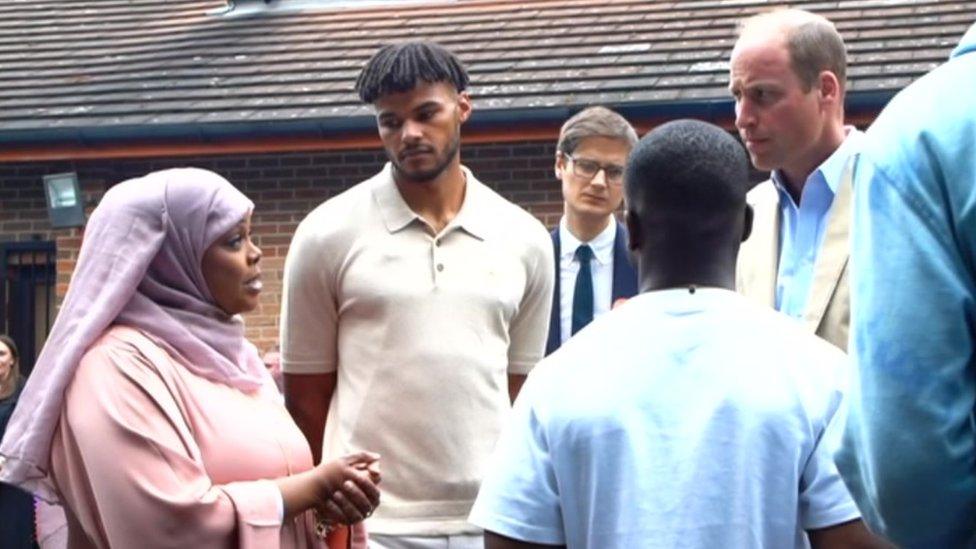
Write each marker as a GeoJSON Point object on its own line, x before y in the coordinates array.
{"type": "Point", "coordinates": [65, 205]}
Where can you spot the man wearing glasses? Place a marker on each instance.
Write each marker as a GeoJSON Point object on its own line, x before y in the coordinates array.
{"type": "Point", "coordinates": [592, 263]}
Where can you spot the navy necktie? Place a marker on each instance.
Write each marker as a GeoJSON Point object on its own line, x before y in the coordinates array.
{"type": "Point", "coordinates": [583, 293]}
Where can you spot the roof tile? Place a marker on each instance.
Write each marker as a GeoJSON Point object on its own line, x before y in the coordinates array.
{"type": "Point", "coordinates": [105, 63]}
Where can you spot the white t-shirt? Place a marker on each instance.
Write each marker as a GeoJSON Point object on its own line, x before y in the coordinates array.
{"type": "Point", "coordinates": [676, 420]}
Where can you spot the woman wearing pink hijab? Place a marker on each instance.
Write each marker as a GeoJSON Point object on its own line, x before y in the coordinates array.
{"type": "Point", "coordinates": [148, 415]}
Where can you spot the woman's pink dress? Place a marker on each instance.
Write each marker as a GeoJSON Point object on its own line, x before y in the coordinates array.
{"type": "Point", "coordinates": [147, 455]}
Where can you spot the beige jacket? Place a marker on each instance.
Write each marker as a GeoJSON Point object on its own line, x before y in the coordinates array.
{"type": "Point", "coordinates": [827, 311]}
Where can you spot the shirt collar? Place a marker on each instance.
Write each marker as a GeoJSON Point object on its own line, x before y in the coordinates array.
{"type": "Point", "coordinates": [683, 301]}
{"type": "Point", "coordinates": [831, 170]}
{"type": "Point", "coordinates": [473, 215]}
{"type": "Point", "coordinates": [397, 214]}
{"type": "Point", "coordinates": [602, 244]}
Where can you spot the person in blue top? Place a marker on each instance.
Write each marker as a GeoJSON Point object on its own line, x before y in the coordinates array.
{"type": "Point", "coordinates": [910, 446]}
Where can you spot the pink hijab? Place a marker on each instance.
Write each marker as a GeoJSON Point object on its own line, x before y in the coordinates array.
{"type": "Point", "coordinates": [139, 265]}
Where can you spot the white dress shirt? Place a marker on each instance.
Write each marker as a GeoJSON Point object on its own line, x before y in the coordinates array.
{"type": "Point", "coordinates": [601, 266]}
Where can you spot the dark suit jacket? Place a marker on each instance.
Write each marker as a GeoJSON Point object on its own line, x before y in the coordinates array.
{"type": "Point", "coordinates": [624, 282]}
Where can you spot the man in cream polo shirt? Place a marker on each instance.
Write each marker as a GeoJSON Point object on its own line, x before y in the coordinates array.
{"type": "Point", "coordinates": [414, 305]}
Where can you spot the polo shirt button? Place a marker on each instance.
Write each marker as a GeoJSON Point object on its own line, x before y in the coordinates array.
{"type": "Point", "coordinates": [440, 267]}
{"type": "Point", "coordinates": [437, 243]}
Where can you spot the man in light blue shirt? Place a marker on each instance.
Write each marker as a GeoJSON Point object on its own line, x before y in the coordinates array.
{"type": "Point", "coordinates": [909, 453]}
{"type": "Point", "coordinates": [788, 78]}
{"type": "Point", "coordinates": [803, 225]}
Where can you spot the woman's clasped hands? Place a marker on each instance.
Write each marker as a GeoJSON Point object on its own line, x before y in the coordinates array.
{"type": "Point", "coordinates": [349, 492]}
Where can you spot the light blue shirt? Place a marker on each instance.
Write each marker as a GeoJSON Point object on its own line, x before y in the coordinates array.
{"type": "Point", "coordinates": [714, 432]}
{"type": "Point", "coordinates": [909, 452]}
{"type": "Point", "coordinates": [802, 227]}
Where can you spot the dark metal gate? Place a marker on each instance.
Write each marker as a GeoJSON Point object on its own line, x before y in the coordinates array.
{"type": "Point", "coordinates": [28, 274]}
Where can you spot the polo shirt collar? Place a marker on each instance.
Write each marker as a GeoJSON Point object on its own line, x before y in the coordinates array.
{"type": "Point", "coordinates": [473, 215]}
{"type": "Point", "coordinates": [397, 215]}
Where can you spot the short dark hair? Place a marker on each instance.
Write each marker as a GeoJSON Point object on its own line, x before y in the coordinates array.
{"type": "Point", "coordinates": [594, 122]}
{"type": "Point", "coordinates": [689, 168]}
{"type": "Point", "coordinates": [398, 68]}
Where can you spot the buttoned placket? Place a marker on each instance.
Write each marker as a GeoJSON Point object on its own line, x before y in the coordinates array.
{"type": "Point", "coordinates": [437, 256]}
{"type": "Point", "coordinates": [807, 218]}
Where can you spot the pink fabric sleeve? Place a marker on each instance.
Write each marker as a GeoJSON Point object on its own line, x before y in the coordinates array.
{"type": "Point", "coordinates": [129, 468]}
{"type": "Point", "coordinates": [259, 512]}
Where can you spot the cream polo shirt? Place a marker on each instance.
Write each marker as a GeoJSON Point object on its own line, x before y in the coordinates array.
{"type": "Point", "coordinates": [422, 330]}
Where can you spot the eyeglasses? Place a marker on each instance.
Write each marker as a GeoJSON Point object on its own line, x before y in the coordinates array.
{"type": "Point", "coordinates": [587, 169]}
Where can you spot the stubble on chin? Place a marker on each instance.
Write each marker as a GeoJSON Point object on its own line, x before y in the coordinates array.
{"type": "Point", "coordinates": [416, 177]}
{"type": "Point", "coordinates": [424, 176]}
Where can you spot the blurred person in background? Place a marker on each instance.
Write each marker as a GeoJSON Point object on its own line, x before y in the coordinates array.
{"type": "Point", "coordinates": [16, 505]}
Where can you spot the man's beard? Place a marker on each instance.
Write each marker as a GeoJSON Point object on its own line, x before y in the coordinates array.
{"type": "Point", "coordinates": [426, 176]}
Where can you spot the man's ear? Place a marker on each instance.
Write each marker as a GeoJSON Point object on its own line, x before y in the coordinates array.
{"type": "Point", "coordinates": [830, 87]}
{"type": "Point", "coordinates": [559, 166]}
{"type": "Point", "coordinates": [464, 106]}
{"type": "Point", "coordinates": [747, 222]}
{"type": "Point", "coordinates": [633, 230]}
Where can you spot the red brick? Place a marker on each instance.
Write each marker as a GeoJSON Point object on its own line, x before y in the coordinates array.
{"type": "Point", "coordinates": [284, 187]}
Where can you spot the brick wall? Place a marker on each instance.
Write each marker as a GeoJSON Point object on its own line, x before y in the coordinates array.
{"type": "Point", "coordinates": [284, 187]}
